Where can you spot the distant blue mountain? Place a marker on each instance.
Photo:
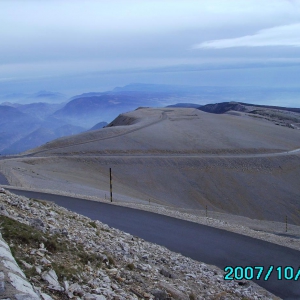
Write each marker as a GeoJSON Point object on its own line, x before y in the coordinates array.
{"type": "Point", "coordinates": [41, 136]}
{"type": "Point", "coordinates": [158, 88]}
{"type": "Point", "coordinates": [24, 126]}
{"type": "Point", "coordinates": [98, 126]}
{"type": "Point", "coordinates": [39, 110]}
{"type": "Point", "coordinates": [87, 111]}
{"type": "Point", "coordinates": [41, 96]}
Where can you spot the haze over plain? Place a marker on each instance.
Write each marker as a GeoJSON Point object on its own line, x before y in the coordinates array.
{"type": "Point", "coordinates": [74, 47]}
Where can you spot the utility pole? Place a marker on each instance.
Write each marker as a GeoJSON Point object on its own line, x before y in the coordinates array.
{"type": "Point", "coordinates": [110, 181]}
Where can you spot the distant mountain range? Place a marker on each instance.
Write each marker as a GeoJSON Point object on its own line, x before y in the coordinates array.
{"type": "Point", "coordinates": [87, 110]}
{"type": "Point", "coordinates": [43, 135]}
{"type": "Point", "coordinates": [23, 126]}
{"type": "Point", "coordinates": [99, 125]}
{"type": "Point", "coordinates": [41, 96]}
{"type": "Point", "coordinates": [29, 125]}
{"type": "Point", "coordinates": [38, 110]}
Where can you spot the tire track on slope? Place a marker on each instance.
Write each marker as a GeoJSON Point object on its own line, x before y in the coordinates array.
{"type": "Point", "coordinates": [291, 152]}
{"type": "Point", "coordinates": [163, 117]}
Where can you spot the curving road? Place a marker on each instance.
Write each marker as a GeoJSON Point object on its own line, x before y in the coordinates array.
{"type": "Point", "coordinates": [3, 180]}
{"type": "Point", "coordinates": [202, 243]}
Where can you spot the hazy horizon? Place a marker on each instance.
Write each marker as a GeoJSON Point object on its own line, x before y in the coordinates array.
{"type": "Point", "coordinates": [73, 47]}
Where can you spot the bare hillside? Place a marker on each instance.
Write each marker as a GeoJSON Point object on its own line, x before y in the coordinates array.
{"type": "Point", "coordinates": [181, 157]}
{"type": "Point", "coordinates": [178, 130]}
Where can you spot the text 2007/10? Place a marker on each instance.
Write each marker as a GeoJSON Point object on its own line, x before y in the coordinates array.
{"type": "Point", "coordinates": [261, 273]}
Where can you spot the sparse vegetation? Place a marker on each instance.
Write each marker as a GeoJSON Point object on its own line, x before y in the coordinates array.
{"type": "Point", "coordinates": [67, 259]}
{"type": "Point", "coordinates": [111, 260]}
{"type": "Point", "coordinates": [87, 258]}
{"type": "Point", "coordinates": [39, 201]}
{"type": "Point", "coordinates": [83, 262]}
{"type": "Point", "coordinates": [18, 233]}
{"type": "Point", "coordinates": [64, 272]}
{"type": "Point", "coordinates": [29, 272]}
{"type": "Point", "coordinates": [130, 266]}
{"type": "Point", "coordinates": [93, 224]}
{"type": "Point", "coordinates": [192, 297]}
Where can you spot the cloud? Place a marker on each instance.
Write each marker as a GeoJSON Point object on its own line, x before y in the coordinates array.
{"type": "Point", "coordinates": [287, 35]}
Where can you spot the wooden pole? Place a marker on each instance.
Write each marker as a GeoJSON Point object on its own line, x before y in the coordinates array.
{"type": "Point", "coordinates": [110, 182]}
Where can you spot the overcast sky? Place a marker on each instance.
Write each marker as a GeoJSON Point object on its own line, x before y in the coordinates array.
{"type": "Point", "coordinates": [48, 44]}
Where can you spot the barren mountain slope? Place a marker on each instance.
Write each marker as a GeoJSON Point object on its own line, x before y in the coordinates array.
{"type": "Point", "coordinates": [181, 157]}
{"type": "Point", "coordinates": [179, 130]}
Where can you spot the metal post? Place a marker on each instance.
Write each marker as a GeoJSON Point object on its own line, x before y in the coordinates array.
{"type": "Point", "coordinates": [110, 181]}
{"type": "Point", "coordinates": [206, 211]}
{"type": "Point", "coordinates": [285, 223]}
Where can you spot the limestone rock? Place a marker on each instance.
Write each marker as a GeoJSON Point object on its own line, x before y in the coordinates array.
{"type": "Point", "coordinates": [50, 277]}
{"type": "Point", "coordinates": [37, 223]}
{"type": "Point", "coordinates": [112, 265]}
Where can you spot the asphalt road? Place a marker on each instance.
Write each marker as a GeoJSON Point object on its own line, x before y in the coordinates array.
{"type": "Point", "coordinates": [202, 243]}
{"type": "Point", "coordinates": [3, 179]}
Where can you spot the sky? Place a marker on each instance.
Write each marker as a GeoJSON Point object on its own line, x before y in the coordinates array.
{"type": "Point", "coordinates": [72, 46]}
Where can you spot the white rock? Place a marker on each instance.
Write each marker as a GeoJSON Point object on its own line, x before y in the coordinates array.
{"type": "Point", "coordinates": [106, 279]}
{"type": "Point", "coordinates": [21, 285]}
{"type": "Point", "coordinates": [4, 245]}
{"type": "Point", "coordinates": [50, 277]}
{"type": "Point", "coordinates": [112, 271]}
{"type": "Point", "coordinates": [46, 297]}
{"type": "Point", "coordinates": [26, 297]}
{"type": "Point", "coordinates": [57, 288]}
{"type": "Point", "coordinates": [26, 265]}
{"type": "Point", "coordinates": [13, 267]}
{"type": "Point", "coordinates": [40, 253]}
{"type": "Point", "coordinates": [94, 297]}
{"type": "Point", "coordinates": [144, 267]}
{"type": "Point", "coordinates": [45, 261]}
{"type": "Point", "coordinates": [191, 275]}
{"type": "Point", "coordinates": [66, 285]}
{"type": "Point", "coordinates": [6, 254]}
{"type": "Point", "coordinates": [74, 288]}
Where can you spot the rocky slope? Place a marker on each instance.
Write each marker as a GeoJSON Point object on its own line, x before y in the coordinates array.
{"type": "Point", "coordinates": [282, 116]}
{"type": "Point", "coordinates": [68, 256]}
